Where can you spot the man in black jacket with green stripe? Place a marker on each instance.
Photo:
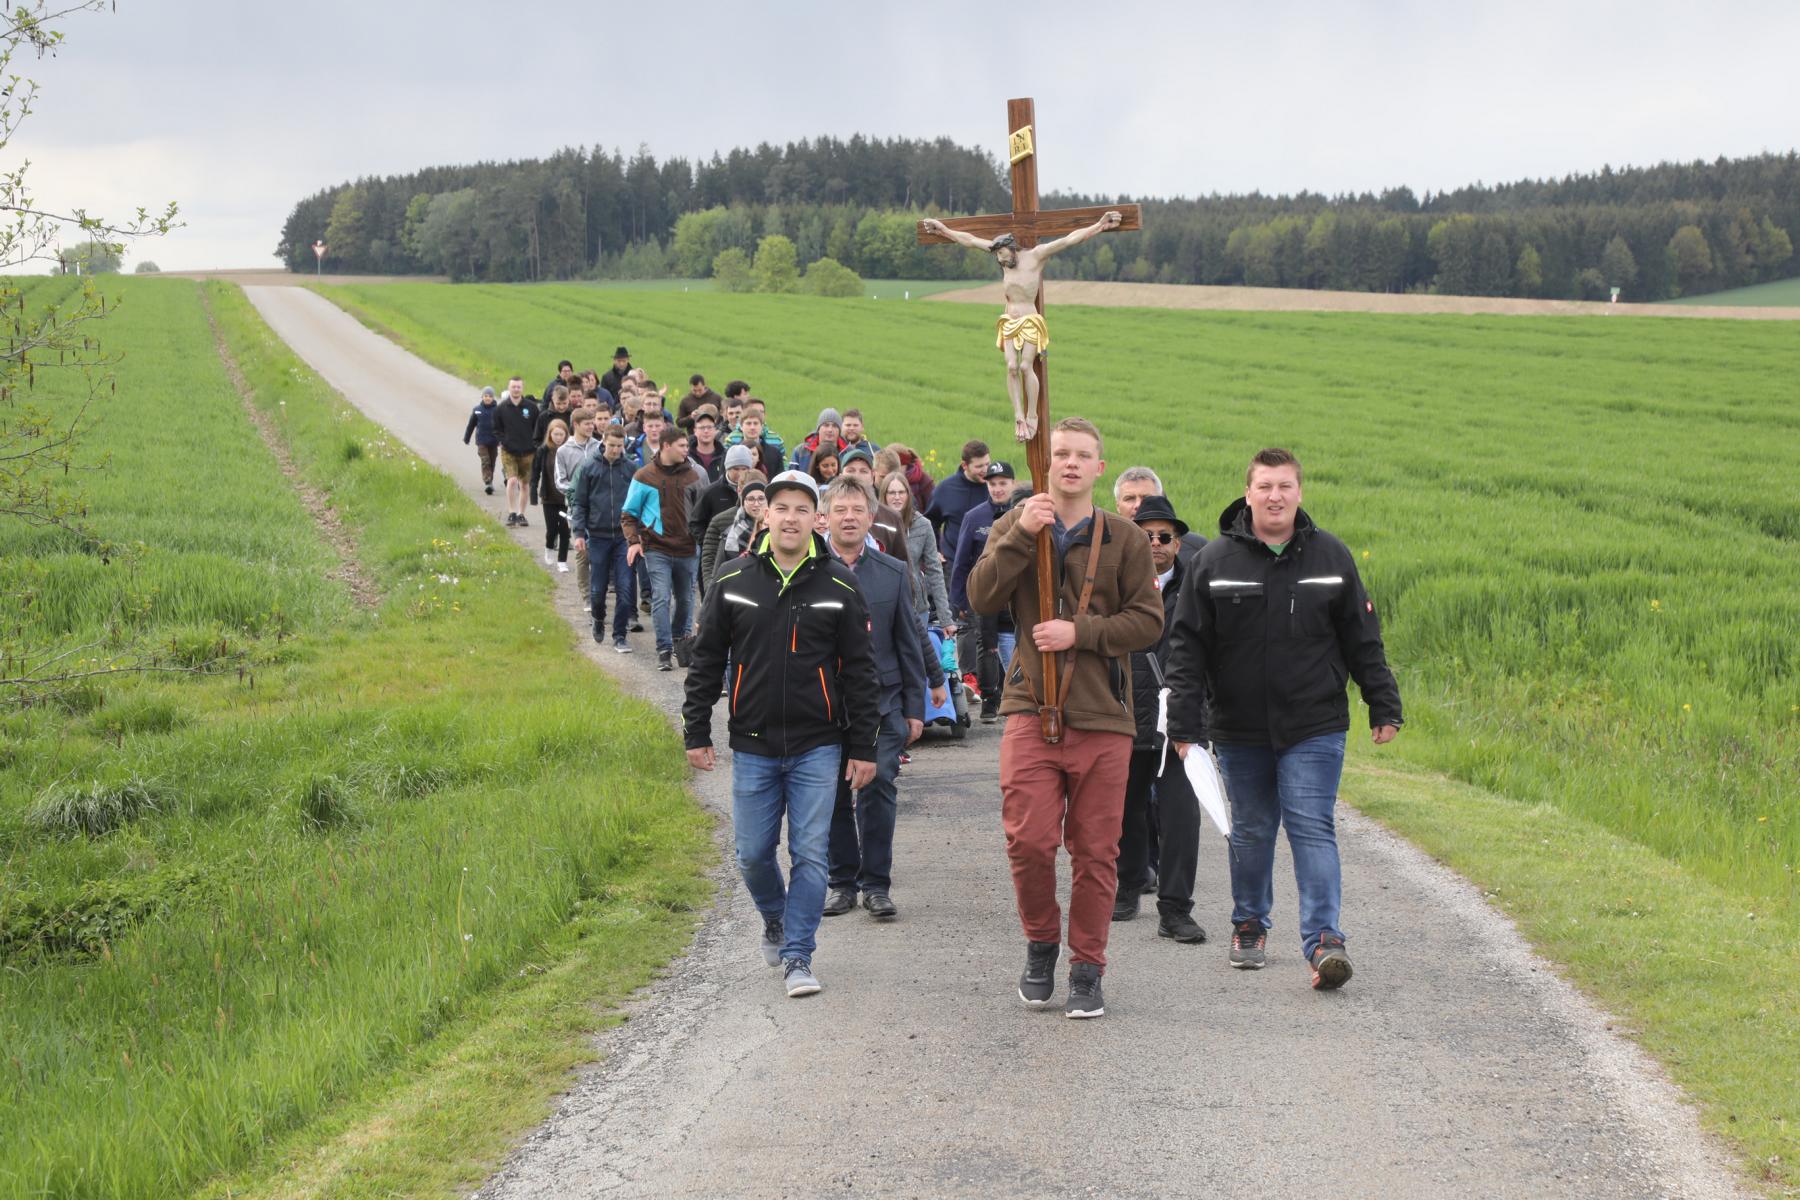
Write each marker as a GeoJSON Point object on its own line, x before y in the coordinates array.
{"type": "Point", "coordinates": [802, 702]}
{"type": "Point", "coordinates": [1271, 623]}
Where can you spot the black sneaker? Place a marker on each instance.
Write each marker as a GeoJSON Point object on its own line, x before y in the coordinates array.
{"type": "Point", "coordinates": [490, 489]}
{"type": "Point", "coordinates": [512, 518]}
{"type": "Point", "coordinates": [1330, 965]}
{"type": "Point", "coordinates": [600, 632]}
{"type": "Point", "coordinates": [1125, 905]}
{"type": "Point", "coordinates": [989, 713]}
{"type": "Point", "coordinates": [840, 901]}
{"type": "Point", "coordinates": [636, 627]}
{"type": "Point", "coordinates": [1084, 992]}
{"type": "Point", "coordinates": [1247, 946]}
{"type": "Point", "coordinates": [880, 906]}
{"type": "Point", "coordinates": [1038, 983]}
{"type": "Point", "coordinates": [1150, 887]}
{"type": "Point", "coordinates": [1180, 927]}
{"type": "Point", "coordinates": [773, 939]}
{"type": "Point", "coordinates": [523, 523]}
{"type": "Point", "coordinates": [665, 661]}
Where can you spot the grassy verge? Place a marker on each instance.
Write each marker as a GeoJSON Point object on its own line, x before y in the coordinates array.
{"type": "Point", "coordinates": [1704, 984]}
{"type": "Point", "coordinates": [402, 857]}
{"type": "Point", "coordinates": [1587, 584]}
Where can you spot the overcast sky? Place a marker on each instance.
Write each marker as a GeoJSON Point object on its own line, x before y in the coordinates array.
{"type": "Point", "coordinates": [237, 108]}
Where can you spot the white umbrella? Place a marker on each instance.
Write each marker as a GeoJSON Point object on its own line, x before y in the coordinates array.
{"type": "Point", "coordinates": [1202, 772]}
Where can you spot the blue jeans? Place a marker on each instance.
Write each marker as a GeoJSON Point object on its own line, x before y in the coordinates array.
{"type": "Point", "coordinates": [1296, 787]}
{"type": "Point", "coordinates": [862, 832]}
{"type": "Point", "coordinates": [671, 580]}
{"type": "Point", "coordinates": [606, 564]}
{"type": "Point", "coordinates": [803, 786]}
{"type": "Point", "coordinates": [1009, 641]}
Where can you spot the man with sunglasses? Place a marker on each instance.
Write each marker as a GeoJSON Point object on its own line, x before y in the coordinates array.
{"type": "Point", "coordinates": [1155, 777]}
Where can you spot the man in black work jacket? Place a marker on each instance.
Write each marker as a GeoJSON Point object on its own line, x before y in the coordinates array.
{"type": "Point", "coordinates": [1272, 621]}
{"type": "Point", "coordinates": [802, 705]}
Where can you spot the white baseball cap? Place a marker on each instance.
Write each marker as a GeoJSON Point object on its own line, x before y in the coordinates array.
{"type": "Point", "coordinates": [794, 479]}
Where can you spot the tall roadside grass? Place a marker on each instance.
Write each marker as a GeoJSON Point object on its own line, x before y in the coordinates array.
{"type": "Point", "coordinates": [230, 906]}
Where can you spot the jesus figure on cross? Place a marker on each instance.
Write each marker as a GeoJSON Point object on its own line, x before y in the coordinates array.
{"type": "Point", "coordinates": [1020, 331]}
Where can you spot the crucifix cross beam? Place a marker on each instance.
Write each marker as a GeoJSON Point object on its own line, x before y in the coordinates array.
{"type": "Point", "coordinates": [1022, 334]}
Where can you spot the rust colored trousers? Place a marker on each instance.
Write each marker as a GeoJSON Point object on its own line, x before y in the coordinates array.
{"type": "Point", "coordinates": [1073, 795]}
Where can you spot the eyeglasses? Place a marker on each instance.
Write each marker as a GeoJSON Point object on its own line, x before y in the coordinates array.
{"type": "Point", "coordinates": [1160, 537]}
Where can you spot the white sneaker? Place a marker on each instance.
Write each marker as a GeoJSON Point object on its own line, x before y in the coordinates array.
{"type": "Point", "coordinates": [549, 558]}
{"type": "Point", "coordinates": [562, 568]}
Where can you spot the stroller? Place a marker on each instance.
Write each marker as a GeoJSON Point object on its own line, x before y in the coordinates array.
{"type": "Point", "coordinates": [954, 713]}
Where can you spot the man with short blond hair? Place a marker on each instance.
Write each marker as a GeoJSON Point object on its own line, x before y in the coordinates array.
{"type": "Point", "coordinates": [1073, 792]}
{"type": "Point", "coordinates": [1271, 622]}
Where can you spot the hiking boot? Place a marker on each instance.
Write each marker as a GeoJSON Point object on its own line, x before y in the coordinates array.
{"type": "Point", "coordinates": [1125, 905]}
{"type": "Point", "coordinates": [840, 901]}
{"type": "Point", "coordinates": [1084, 992]}
{"type": "Point", "coordinates": [1247, 946]}
{"type": "Point", "coordinates": [1180, 927]}
{"type": "Point", "coordinates": [665, 661]}
{"type": "Point", "coordinates": [1038, 983]}
{"type": "Point", "coordinates": [622, 646]}
{"type": "Point", "coordinates": [800, 979]}
{"type": "Point", "coordinates": [1330, 965]}
{"type": "Point", "coordinates": [773, 939]}
{"type": "Point", "coordinates": [880, 906]}
{"type": "Point", "coordinates": [684, 650]}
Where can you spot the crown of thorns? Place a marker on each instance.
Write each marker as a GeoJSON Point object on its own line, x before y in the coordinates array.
{"type": "Point", "coordinates": [1005, 241]}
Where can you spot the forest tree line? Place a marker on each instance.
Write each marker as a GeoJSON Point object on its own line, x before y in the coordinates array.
{"type": "Point", "coordinates": [1653, 232]}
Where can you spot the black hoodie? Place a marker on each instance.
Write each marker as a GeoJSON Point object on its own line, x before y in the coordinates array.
{"type": "Point", "coordinates": [1272, 639]}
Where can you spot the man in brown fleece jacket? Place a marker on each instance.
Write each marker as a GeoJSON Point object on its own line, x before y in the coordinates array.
{"type": "Point", "coordinates": [1107, 606]}
{"type": "Point", "coordinates": [655, 523]}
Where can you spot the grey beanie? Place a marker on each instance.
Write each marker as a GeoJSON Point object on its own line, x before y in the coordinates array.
{"type": "Point", "coordinates": [739, 455]}
{"type": "Point", "coordinates": [828, 415]}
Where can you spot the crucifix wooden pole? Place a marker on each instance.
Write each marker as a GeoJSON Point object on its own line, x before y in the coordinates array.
{"type": "Point", "coordinates": [1021, 115]}
{"type": "Point", "coordinates": [1028, 226]}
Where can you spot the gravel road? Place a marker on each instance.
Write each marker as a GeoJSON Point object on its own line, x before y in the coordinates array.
{"type": "Point", "coordinates": [1455, 1064]}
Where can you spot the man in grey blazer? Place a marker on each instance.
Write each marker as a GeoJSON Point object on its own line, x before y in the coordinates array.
{"type": "Point", "coordinates": [862, 831]}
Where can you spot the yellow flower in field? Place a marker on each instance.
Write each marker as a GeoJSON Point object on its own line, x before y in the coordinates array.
{"type": "Point", "coordinates": [1656, 606]}
{"type": "Point", "coordinates": [1687, 708]}
{"type": "Point", "coordinates": [1761, 820]}
{"type": "Point", "coordinates": [1365, 554]}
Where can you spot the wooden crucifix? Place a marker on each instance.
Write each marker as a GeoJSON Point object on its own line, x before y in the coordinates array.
{"type": "Point", "coordinates": [1021, 332]}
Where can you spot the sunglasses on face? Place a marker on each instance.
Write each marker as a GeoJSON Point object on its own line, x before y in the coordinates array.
{"type": "Point", "coordinates": [1160, 537]}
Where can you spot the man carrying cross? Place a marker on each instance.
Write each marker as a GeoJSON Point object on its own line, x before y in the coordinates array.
{"type": "Point", "coordinates": [1020, 331]}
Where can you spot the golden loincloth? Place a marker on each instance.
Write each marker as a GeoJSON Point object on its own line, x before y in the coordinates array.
{"type": "Point", "coordinates": [1028, 328]}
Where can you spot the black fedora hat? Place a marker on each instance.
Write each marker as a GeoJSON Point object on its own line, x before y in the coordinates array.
{"type": "Point", "coordinates": [1158, 508]}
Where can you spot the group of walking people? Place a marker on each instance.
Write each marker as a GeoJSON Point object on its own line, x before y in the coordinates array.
{"type": "Point", "coordinates": [826, 581]}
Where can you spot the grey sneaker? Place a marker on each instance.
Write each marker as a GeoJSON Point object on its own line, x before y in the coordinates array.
{"type": "Point", "coordinates": [1247, 946]}
{"type": "Point", "coordinates": [799, 976]}
{"type": "Point", "coordinates": [773, 939]}
{"type": "Point", "coordinates": [622, 646]}
{"type": "Point", "coordinates": [1084, 992]}
{"type": "Point", "coordinates": [1038, 983]}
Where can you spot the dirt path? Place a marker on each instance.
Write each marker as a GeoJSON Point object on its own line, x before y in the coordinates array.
{"type": "Point", "coordinates": [1249, 299]}
{"type": "Point", "coordinates": [1456, 1064]}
